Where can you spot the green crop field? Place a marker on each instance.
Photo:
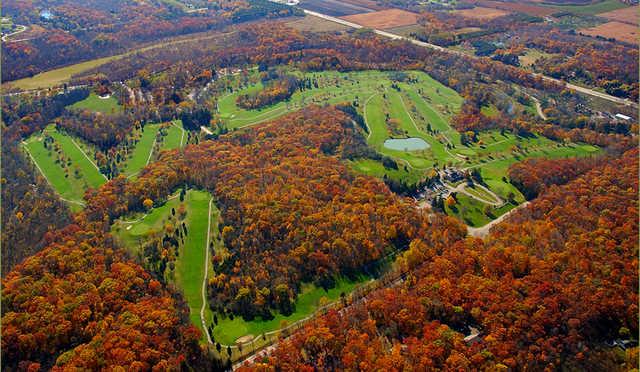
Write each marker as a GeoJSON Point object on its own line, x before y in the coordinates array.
{"type": "Point", "coordinates": [190, 264]}
{"type": "Point", "coordinates": [70, 171]}
{"type": "Point", "coordinates": [95, 103]}
{"type": "Point", "coordinates": [416, 108]}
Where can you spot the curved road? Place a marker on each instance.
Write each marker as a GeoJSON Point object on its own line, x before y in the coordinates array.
{"type": "Point", "coordinates": [22, 29]}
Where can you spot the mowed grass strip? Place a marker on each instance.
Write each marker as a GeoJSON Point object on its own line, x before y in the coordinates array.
{"type": "Point", "coordinates": [96, 103]}
{"type": "Point", "coordinates": [67, 184]}
{"type": "Point", "coordinates": [142, 153]}
{"type": "Point", "coordinates": [190, 263]}
{"type": "Point", "coordinates": [175, 136]}
{"type": "Point", "coordinates": [59, 76]}
{"type": "Point", "coordinates": [228, 331]}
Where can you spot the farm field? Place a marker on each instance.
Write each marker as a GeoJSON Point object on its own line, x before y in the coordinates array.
{"type": "Point", "coordinates": [480, 12]}
{"type": "Point", "coordinates": [64, 164]}
{"type": "Point", "coordinates": [590, 9]}
{"type": "Point", "coordinates": [534, 10]}
{"type": "Point", "coordinates": [614, 30]}
{"type": "Point", "coordinates": [369, 4]}
{"type": "Point", "coordinates": [333, 8]}
{"type": "Point", "coordinates": [316, 24]}
{"type": "Point", "coordinates": [106, 105]}
{"type": "Point", "coordinates": [135, 230]}
{"type": "Point", "coordinates": [419, 110]}
{"type": "Point", "coordinates": [406, 31]}
{"type": "Point", "coordinates": [628, 15]}
{"type": "Point", "coordinates": [384, 19]}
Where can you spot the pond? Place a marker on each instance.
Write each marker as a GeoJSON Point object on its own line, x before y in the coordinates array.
{"type": "Point", "coordinates": [406, 144]}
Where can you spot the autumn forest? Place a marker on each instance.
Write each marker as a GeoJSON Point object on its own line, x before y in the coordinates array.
{"type": "Point", "coordinates": [319, 186]}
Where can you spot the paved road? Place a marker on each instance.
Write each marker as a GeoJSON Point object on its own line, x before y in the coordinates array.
{"type": "Point", "coordinates": [481, 232]}
{"type": "Point", "coordinates": [22, 29]}
{"type": "Point", "coordinates": [390, 35]}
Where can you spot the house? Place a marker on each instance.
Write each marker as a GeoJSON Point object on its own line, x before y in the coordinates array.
{"type": "Point", "coordinates": [623, 117]}
{"type": "Point", "coordinates": [453, 175]}
{"type": "Point", "coordinates": [473, 337]}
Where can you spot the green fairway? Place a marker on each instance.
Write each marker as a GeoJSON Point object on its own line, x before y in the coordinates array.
{"type": "Point", "coordinates": [136, 229]}
{"type": "Point", "coordinates": [174, 136]}
{"type": "Point", "coordinates": [69, 170]}
{"type": "Point", "coordinates": [228, 331]}
{"type": "Point", "coordinates": [190, 263]}
{"type": "Point", "coordinates": [494, 172]}
{"type": "Point", "coordinates": [417, 107]}
{"type": "Point", "coordinates": [96, 103]}
{"type": "Point", "coordinates": [141, 155]}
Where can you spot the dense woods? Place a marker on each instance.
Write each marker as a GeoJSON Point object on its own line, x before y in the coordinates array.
{"type": "Point", "coordinates": [546, 290]}
{"type": "Point", "coordinates": [532, 176]}
{"type": "Point", "coordinates": [276, 90]}
{"type": "Point", "coordinates": [286, 200]}
{"type": "Point", "coordinates": [73, 31]}
{"type": "Point", "coordinates": [550, 288]}
{"type": "Point", "coordinates": [89, 308]}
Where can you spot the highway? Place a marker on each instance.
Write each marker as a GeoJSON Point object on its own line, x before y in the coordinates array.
{"type": "Point", "coordinates": [393, 36]}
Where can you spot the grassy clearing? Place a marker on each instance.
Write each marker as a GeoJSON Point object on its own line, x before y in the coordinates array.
{"type": "Point", "coordinates": [531, 56]}
{"type": "Point", "coordinates": [67, 170]}
{"type": "Point", "coordinates": [227, 330]}
{"type": "Point", "coordinates": [95, 103]}
{"type": "Point", "coordinates": [59, 76]}
{"type": "Point", "coordinates": [190, 264]}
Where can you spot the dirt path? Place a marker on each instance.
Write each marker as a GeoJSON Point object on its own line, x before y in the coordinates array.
{"type": "Point", "coordinates": [539, 108]}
